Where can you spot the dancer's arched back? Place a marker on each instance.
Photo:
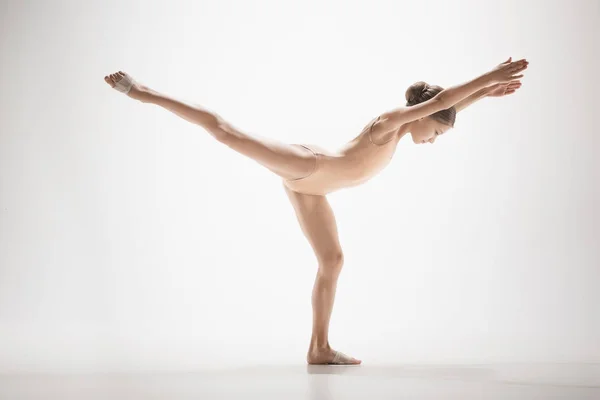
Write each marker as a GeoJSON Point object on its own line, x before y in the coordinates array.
{"type": "Point", "coordinates": [309, 172]}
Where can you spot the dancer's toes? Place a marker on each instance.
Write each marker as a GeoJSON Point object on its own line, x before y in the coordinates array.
{"type": "Point", "coordinates": [108, 80]}
{"type": "Point", "coordinates": [342, 359]}
{"type": "Point", "coordinates": [124, 83]}
{"type": "Point", "coordinates": [121, 82]}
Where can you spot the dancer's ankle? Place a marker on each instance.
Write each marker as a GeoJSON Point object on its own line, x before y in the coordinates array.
{"type": "Point", "coordinates": [318, 346]}
{"type": "Point", "coordinates": [140, 93]}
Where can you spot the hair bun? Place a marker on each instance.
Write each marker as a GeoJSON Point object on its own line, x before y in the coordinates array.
{"type": "Point", "coordinates": [415, 92]}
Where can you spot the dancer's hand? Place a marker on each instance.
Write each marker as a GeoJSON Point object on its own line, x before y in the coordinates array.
{"type": "Point", "coordinates": [506, 71]}
{"type": "Point", "coordinates": [502, 89]}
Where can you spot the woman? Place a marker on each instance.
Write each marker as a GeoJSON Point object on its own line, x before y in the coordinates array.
{"type": "Point", "coordinates": [309, 172]}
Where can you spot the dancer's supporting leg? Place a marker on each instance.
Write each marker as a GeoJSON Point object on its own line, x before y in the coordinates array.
{"type": "Point", "coordinates": [286, 160]}
{"type": "Point", "coordinates": [319, 226]}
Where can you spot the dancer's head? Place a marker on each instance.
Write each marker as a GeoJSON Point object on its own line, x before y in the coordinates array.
{"type": "Point", "coordinates": [425, 130]}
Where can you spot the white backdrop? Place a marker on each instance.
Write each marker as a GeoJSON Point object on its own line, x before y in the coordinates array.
{"type": "Point", "coordinates": [131, 240]}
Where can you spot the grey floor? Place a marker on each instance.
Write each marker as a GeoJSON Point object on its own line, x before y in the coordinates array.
{"type": "Point", "coordinates": [302, 382]}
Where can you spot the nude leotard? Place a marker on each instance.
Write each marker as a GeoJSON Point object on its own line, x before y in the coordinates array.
{"type": "Point", "coordinates": [355, 163]}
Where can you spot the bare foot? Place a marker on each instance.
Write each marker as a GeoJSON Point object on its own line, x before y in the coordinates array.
{"type": "Point", "coordinates": [124, 83]}
{"type": "Point", "coordinates": [330, 356]}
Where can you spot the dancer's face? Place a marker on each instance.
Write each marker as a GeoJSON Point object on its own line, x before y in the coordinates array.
{"type": "Point", "coordinates": [427, 130]}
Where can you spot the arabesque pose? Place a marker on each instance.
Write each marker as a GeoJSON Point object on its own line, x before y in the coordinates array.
{"type": "Point", "coordinates": [309, 172]}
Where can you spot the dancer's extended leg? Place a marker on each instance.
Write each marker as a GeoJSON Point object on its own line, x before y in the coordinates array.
{"type": "Point", "coordinates": [286, 160]}
{"type": "Point", "coordinates": [319, 226]}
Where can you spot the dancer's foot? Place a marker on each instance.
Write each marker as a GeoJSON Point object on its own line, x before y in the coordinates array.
{"type": "Point", "coordinates": [330, 356]}
{"type": "Point", "coordinates": [124, 83]}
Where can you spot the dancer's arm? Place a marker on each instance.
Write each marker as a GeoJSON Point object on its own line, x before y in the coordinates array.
{"type": "Point", "coordinates": [497, 90]}
{"type": "Point", "coordinates": [449, 97]}
{"type": "Point", "coordinates": [478, 95]}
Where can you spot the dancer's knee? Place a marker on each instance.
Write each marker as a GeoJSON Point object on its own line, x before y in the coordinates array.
{"type": "Point", "coordinates": [330, 265]}
{"type": "Point", "coordinates": [224, 132]}
{"type": "Point", "coordinates": [219, 133]}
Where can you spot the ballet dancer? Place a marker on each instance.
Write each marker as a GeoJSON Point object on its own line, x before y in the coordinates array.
{"type": "Point", "coordinates": [309, 172]}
